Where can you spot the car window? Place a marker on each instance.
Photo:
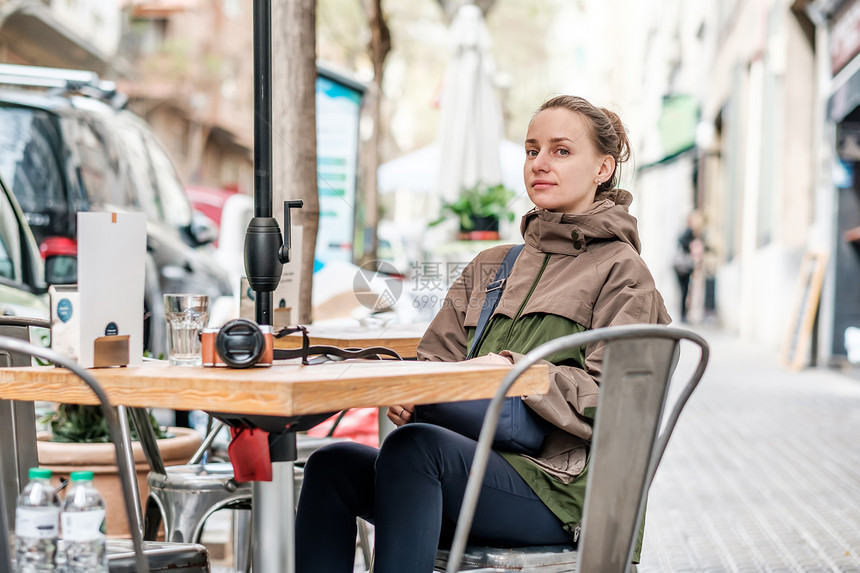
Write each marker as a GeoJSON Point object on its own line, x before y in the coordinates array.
{"type": "Point", "coordinates": [10, 242]}
{"type": "Point", "coordinates": [139, 172]}
{"type": "Point", "coordinates": [96, 162]}
{"type": "Point", "coordinates": [177, 209]}
{"type": "Point", "coordinates": [28, 160]}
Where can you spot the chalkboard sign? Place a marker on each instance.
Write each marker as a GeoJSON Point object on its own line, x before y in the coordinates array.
{"type": "Point", "coordinates": [795, 348]}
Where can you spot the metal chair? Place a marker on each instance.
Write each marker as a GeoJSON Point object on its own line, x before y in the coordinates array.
{"type": "Point", "coordinates": [631, 432]}
{"type": "Point", "coordinates": [123, 451]}
{"type": "Point", "coordinates": [124, 556]}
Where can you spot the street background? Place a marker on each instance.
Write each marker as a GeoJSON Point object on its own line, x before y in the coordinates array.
{"type": "Point", "coordinates": [744, 113]}
{"type": "Point", "coordinates": [762, 472]}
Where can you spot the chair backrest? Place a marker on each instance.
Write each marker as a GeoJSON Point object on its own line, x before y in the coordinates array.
{"type": "Point", "coordinates": [631, 432]}
{"type": "Point", "coordinates": [123, 456]}
{"type": "Point", "coordinates": [17, 419]}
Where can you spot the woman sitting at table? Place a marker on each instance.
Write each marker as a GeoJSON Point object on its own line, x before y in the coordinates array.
{"type": "Point", "coordinates": [580, 269]}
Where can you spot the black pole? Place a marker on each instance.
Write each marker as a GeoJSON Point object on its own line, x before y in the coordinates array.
{"type": "Point", "coordinates": [263, 238]}
{"type": "Point", "coordinates": [262, 108]}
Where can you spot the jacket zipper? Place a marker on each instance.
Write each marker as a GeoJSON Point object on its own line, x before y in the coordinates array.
{"type": "Point", "coordinates": [525, 300]}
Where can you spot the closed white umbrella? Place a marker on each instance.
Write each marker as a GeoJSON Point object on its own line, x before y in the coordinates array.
{"type": "Point", "coordinates": [471, 125]}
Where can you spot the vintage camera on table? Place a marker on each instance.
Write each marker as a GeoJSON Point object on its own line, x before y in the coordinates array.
{"type": "Point", "coordinates": [240, 343]}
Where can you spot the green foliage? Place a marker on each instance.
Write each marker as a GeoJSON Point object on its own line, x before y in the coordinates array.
{"type": "Point", "coordinates": [479, 201]}
{"type": "Point", "coordinates": [75, 423]}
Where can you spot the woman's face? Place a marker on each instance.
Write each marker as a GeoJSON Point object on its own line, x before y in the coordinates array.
{"type": "Point", "coordinates": [562, 167]}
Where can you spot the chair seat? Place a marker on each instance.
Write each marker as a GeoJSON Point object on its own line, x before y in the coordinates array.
{"type": "Point", "coordinates": [173, 557]}
{"type": "Point", "coordinates": [197, 476]}
{"type": "Point", "coordinates": [545, 558]}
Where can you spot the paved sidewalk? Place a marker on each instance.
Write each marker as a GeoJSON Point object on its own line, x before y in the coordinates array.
{"type": "Point", "coordinates": [762, 472]}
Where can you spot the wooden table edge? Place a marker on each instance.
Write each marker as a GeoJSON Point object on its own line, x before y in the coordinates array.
{"type": "Point", "coordinates": [207, 389]}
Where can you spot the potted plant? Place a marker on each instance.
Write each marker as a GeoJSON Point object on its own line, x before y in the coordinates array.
{"type": "Point", "coordinates": [80, 440]}
{"type": "Point", "coordinates": [479, 210]}
{"type": "Point", "coordinates": [84, 424]}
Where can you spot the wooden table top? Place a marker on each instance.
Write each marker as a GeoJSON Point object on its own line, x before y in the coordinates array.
{"type": "Point", "coordinates": [285, 389]}
{"type": "Point", "coordinates": [401, 338]}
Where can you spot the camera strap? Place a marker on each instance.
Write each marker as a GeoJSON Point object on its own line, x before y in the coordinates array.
{"type": "Point", "coordinates": [325, 352]}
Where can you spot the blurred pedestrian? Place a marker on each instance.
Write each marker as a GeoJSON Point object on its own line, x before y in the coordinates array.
{"type": "Point", "coordinates": [580, 269]}
{"type": "Point", "coordinates": [688, 253]}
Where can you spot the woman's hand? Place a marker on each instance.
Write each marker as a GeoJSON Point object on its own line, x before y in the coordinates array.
{"type": "Point", "coordinates": [401, 414]}
{"type": "Point", "coordinates": [491, 358]}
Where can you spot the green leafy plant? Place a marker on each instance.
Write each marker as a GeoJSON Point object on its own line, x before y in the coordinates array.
{"type": "Point", "coordinates": [76, 423]}
{"type": "Point", "coordinates": [478, 202]}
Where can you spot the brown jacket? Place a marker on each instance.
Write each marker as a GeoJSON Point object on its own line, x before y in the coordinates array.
{"type": "Point", "coordinates": [594, 276]}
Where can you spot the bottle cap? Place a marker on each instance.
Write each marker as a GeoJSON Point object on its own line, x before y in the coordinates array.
{"type": "Point", "coordinates": [39, 473]}
{"type": "Point", "coordinates": [81, 476]}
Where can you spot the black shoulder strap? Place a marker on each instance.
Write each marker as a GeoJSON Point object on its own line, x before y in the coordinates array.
{"type": "Point", "coordinates": [494, 293]}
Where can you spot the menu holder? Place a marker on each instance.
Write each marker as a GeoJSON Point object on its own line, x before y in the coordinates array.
{"type": "Point", "coordinates": [111, 263]}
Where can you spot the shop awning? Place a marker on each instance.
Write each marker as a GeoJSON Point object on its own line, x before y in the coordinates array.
{"type": "Point", "coordinates": [679, 116]}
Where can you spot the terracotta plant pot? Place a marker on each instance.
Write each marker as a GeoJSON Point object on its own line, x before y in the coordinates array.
{"type": "Point", "coordinates": [64, 458]}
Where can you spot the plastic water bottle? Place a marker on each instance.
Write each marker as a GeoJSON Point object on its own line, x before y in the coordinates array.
{"type": "Point", "coordinates": [83, 523]}
{"type": "Point", "coordinates": [37, 520]}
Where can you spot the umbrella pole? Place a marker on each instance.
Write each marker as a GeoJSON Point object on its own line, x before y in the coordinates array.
{"type": "Point", "coordinates": [263, 236]}
{"type": "Point", "coordinates": [263, 265]}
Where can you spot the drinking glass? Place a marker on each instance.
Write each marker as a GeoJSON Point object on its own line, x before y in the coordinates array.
{"type": "Point", "coordinates": [187, 315]}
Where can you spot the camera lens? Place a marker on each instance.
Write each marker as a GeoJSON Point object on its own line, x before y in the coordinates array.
{"type": "Point", "coordinates": [240, 343]}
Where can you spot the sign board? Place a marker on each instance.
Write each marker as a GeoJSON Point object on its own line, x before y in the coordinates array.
{"type": "Point", "coordinates": [795, 348]}
{"type": "Point", "coordinates": [338, 104]}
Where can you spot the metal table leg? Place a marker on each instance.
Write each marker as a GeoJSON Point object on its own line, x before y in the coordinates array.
{"type": "Point", "coordinates": [273, 510]}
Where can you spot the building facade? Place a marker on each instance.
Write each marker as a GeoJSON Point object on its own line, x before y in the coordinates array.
{"type": "Point", "coordinates": [192, 65]}
{"type": "Point", "coordinates": [837, 32]}
{"type": "Point", "coordinates": [767, 162]}
{"type": "Point", "coordinates": [80, 34]}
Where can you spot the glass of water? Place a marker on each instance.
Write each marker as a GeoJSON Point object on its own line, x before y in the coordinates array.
{"type": "Point", "coordinates": [187, 315]}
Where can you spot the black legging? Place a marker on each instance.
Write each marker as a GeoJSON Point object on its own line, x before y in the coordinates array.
{"type": "Point", "coordinates": [411, 489]}
{"type": "Point", "coordinates": [684, 284]}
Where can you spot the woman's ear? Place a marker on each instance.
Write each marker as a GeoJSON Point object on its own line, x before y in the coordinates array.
{"type": "Point", "coordinates": [607, 167]}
